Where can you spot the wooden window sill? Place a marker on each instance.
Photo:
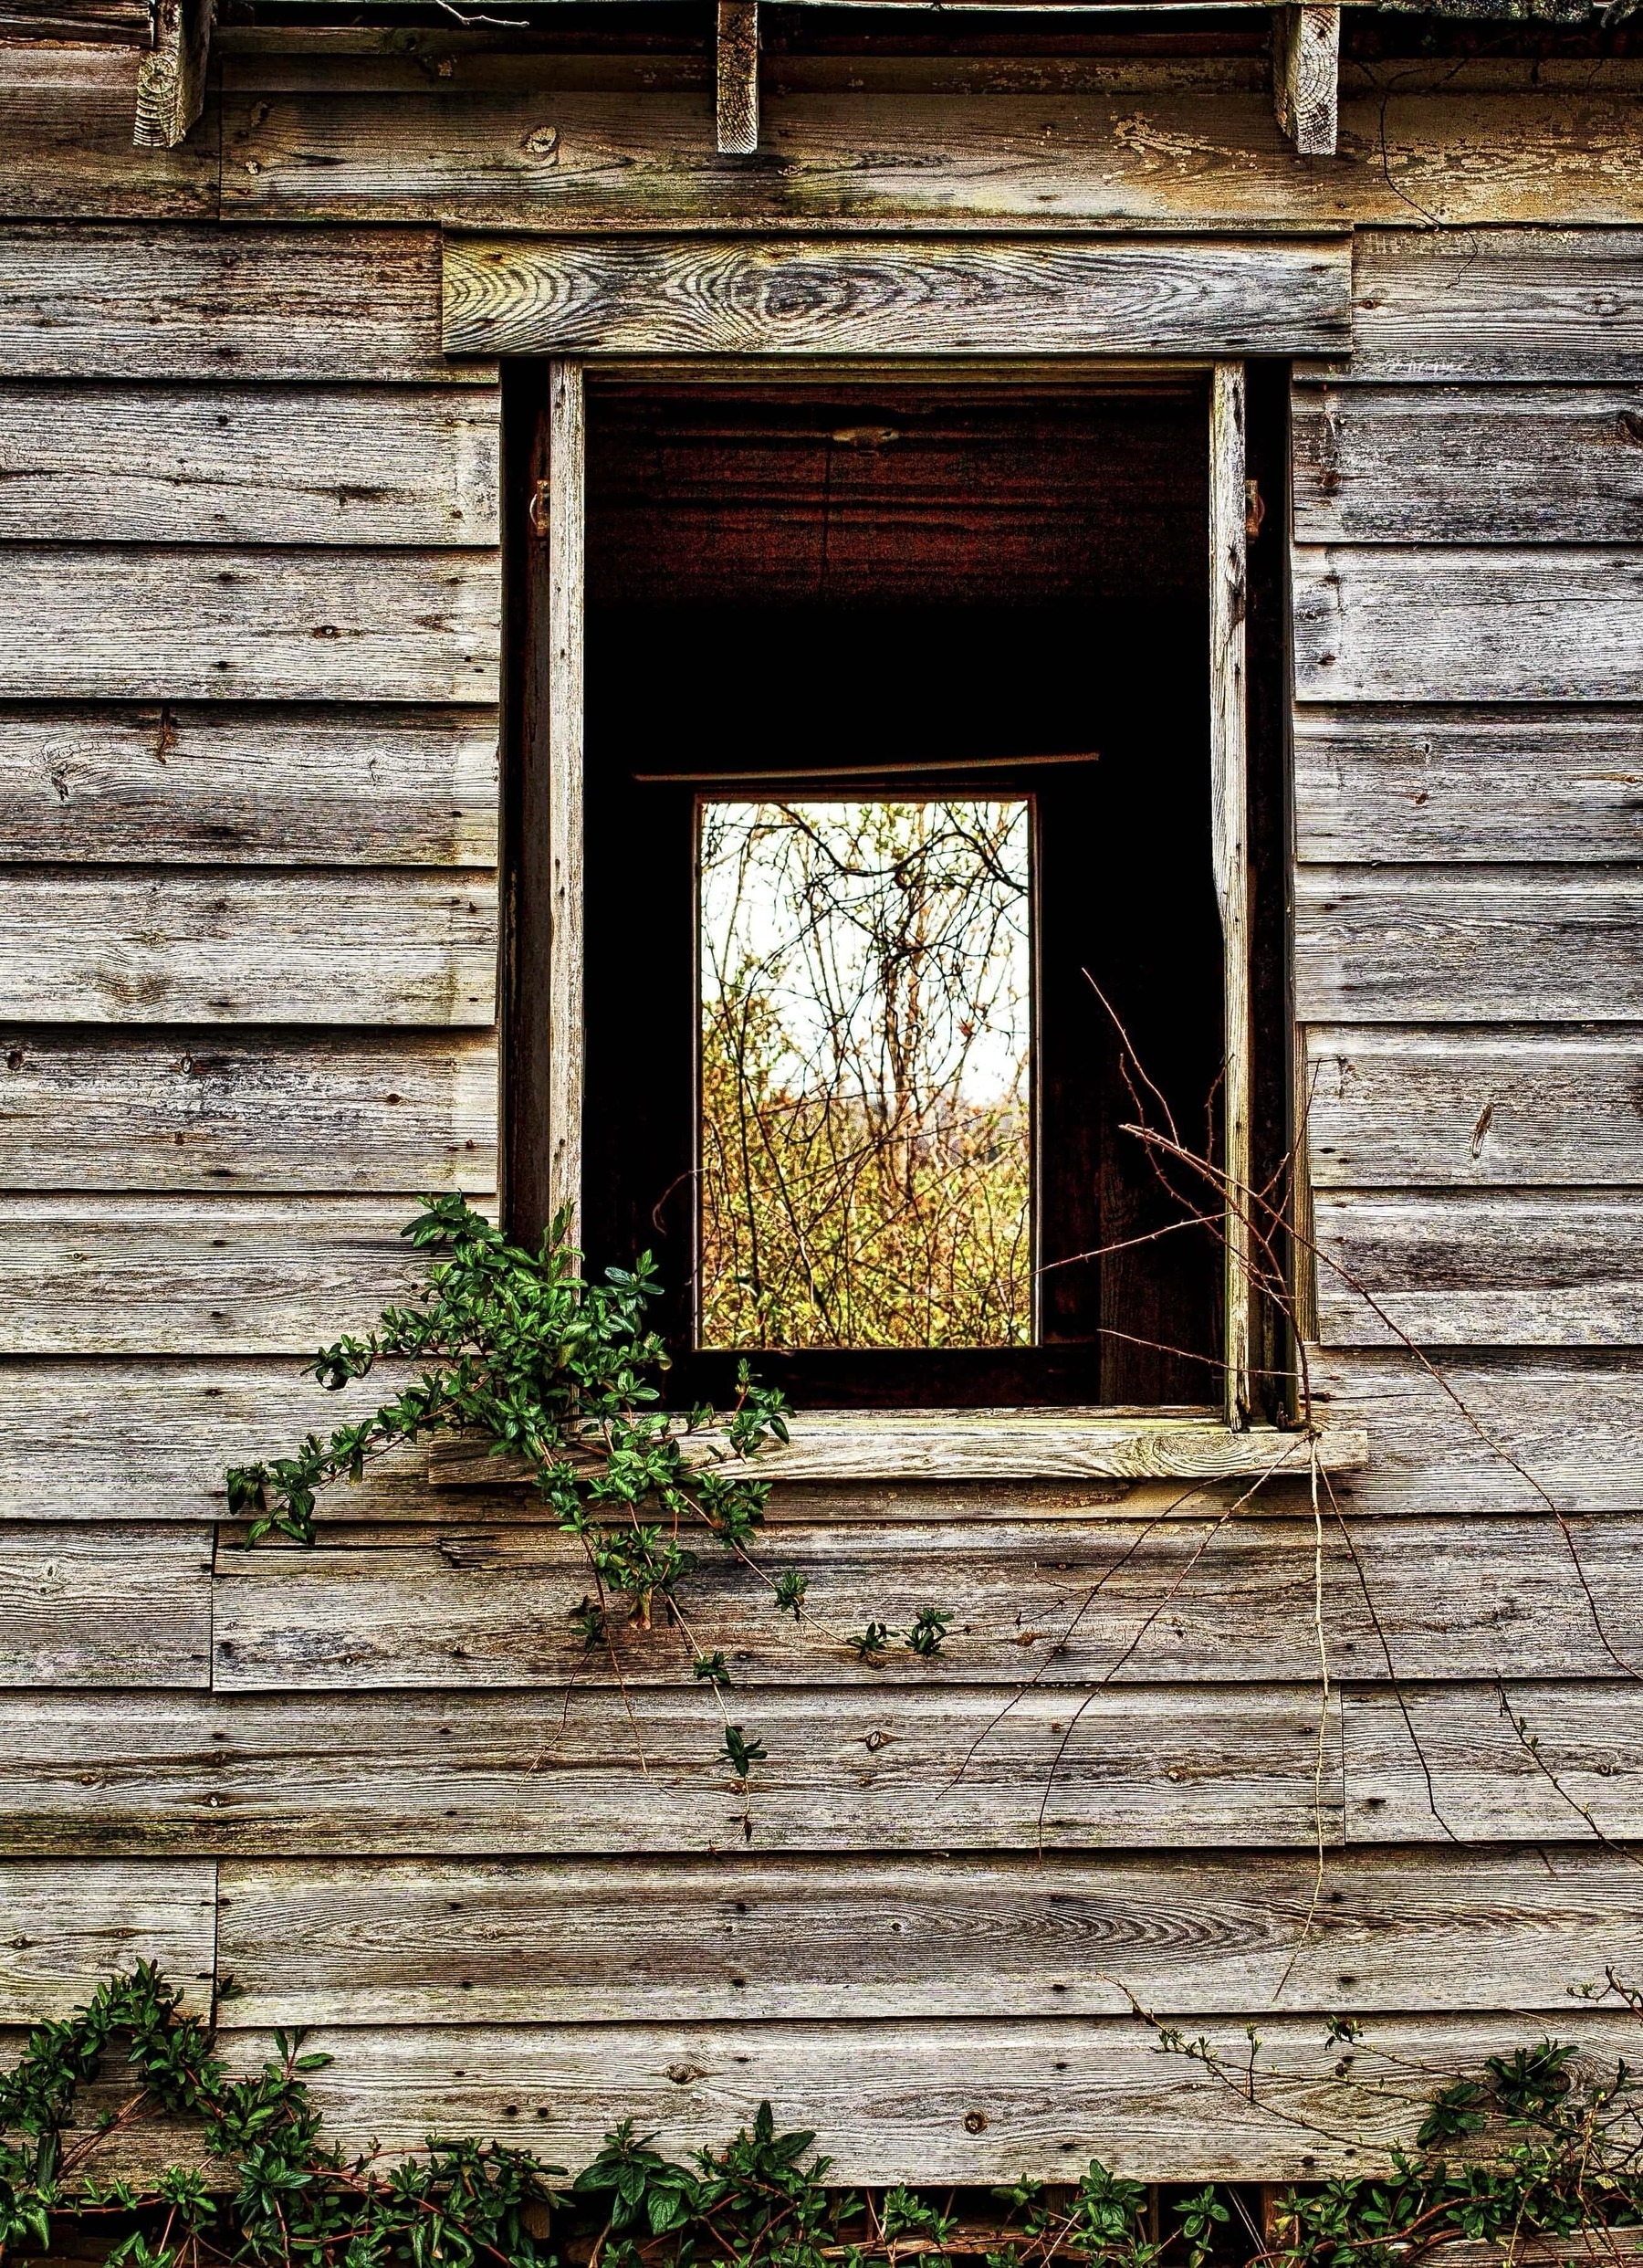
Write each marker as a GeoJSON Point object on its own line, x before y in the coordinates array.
{"type": "Point", "coordinates": [989, 1444]}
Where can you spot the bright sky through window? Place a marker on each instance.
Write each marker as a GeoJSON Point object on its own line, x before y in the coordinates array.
{"type": "Point", "coordinates": [866, 975]}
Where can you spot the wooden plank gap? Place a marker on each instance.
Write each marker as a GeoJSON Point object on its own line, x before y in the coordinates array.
{"type": "Point", "coordinates": [170, 81]}
{"type": "Point", "coordinates": [1306, 58]}
{"type": "Point", "coordinates": [737, 81]}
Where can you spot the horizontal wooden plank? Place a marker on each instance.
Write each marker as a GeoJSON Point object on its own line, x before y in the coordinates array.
{"type": "Point", "coordinates": [557, 143]}
{"type": "Point", "coordinates": [241, 464]}
{"type": "Point", "coordinates": [1523, 1268]}
{"type": "Point", "coordinates": [1468, 785]}
{"type": "Point", "coordinates": [423, 1941]}
{"type": "Point", "coordinates": [1467, 464]}
{"type": "Point", "coordinates": [1385, 623]}
{"type": "Point", "coordinates": [1479, 1109]}
{"type": "Point", "coordinates": [1532, 303]}
{"type": "Point", "coordinates": [839, 1447]}
{"type": "Point", "coordinates": [855, 1765]}
{"type": "Point", "coordinates": [1538, 946]}
{"type": "Point", "coordinates": [65, 115]}
{"type": "Point", "coordinates": [105, 1606]}
{"type": "Point", "coordinates": [942, 2101]}
{"type": "Point", "coordinates": [221, 785]}
{"type": "Point", "coordinates": [1575, 1769]}
{"type": "Point", "coordinates": [93, 622]}
{"type": "Point", "coordinates": [68, 1927]}
{"type": "Point", "coordinates": [321, 946]}
{"type": "Point", "coordinates": [519, 296]}
{"type": "Point", "coordinates": [94, 301]}
{"type": "Point", "coordinates": [259, 1110]}
{"type": "Point", "coordinates": [116, 1274]}
{"type": "Point", "coordinates": [1186, 1601]}
{"type": "Point", "coordinates": [1490, 1430]}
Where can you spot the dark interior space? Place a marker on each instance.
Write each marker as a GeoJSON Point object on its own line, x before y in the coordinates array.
{"type": "Point", "coordinates": [967, 582]}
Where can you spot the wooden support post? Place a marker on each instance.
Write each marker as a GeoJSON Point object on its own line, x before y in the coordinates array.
{"type": "Point", "coordinates": [739, 77]}
{"type": "Point", "coordinates": [1228, 811]}
{"type": "Point", "coordinates": [171, 81]}
{"type": "Point", "coordinates": [1306, 69]}
{"type": "Point", "coordinates": [567, 456]}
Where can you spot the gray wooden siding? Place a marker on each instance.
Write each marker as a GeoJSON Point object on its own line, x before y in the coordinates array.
{"type": "Point", "coordinates": [247, 1016]}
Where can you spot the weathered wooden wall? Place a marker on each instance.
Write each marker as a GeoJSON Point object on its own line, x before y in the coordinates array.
{"type": "Point", "coordinates": [248, 676]}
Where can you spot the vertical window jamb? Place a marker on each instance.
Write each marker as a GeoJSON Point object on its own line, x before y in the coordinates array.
{"type": "Point", "coordinates": [1229, 765]}
{"type": "Point", "coordinates": [566, 564]}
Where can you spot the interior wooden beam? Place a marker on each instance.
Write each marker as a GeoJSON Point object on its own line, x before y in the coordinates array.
{"type": "Point", "coordinates": [738, 93]}
{"type": "Point", "coordinates": [170, 81]}
{"type": "Point", "coordinates": [1306, 58]}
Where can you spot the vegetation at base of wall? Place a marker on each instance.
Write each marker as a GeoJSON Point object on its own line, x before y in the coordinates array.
{"type": "Point", "coordinates": [1528, 2145]}
{"type": "Point", "coordinates": [527, 1355]}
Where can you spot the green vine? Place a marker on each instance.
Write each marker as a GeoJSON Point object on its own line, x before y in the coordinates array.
{"type": "Point", "coordinates": [525, 1354]}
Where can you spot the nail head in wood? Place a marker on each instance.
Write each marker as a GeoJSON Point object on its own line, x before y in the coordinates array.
{"type": "Point", "coordinates": [1307, 62]}
{"type": "Point", "coordinates": [739, 77]}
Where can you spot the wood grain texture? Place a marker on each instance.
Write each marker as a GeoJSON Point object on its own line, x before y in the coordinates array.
{"type": "Point", "coordinates": [328, 948]}
{"type": "Point", "coordinates": [1228, 830]}
{"type": "Point", "coordinates": [171, 85]}
{"type": "Point", "coordinates": [129, 1274]}
{"type": "Point", "coordinates": [566, 567]}
{"type": "Point", "coordinates": [92, 621]}
{"type": "Point", "coordinates": [942, 143]}
{"type": "Point", "coordinates": [105, 1606]}
{"type": "Point", "coordinates": [1384, 623]}
{"type": "Point", "coordinates": [68, 1927]}
{"type": "Point", "coordinates": [1477, 1433]}
{"type": "Point", "coordinates": [467, 1606]}
{"type": "Point", "coordinates": [1541, 945]}
{"type": "Point", "coordinates": [1489, 1109]}
{"type": "Point", "coordinates": [257, 1110]}
{"type": "Point", "coordinates": [843, 1447]}
{"type": "Point", "coordinates": [968, 2102]}
{"type": "Point", "coordinates": [1141, 298]}
{"type": "Point", "coordinates": [1487, 1781]}
{"type": "Point", "coordinates": [222, 785]}
{"type": "Point", "coordinates": [1542, 303]}
{"type": "Point", "coordinates": [1306, 68]}
{"type": "Point", "coordinates": [1465, 786]}
{"type": "Point", "coordinates": [418, 1941]}
{"type": "Point", "coordinates": [1467, 464]}
{"type": "Point", "coordinates": [1527, 1268]}
{"type": "Point", "coordinates": [65, 115]}
{"type": "Point", "coordinates": [482, 1774]}
{"type": "Point", "coordinates": [735, 95]}
{"type": "Point", "coordinates": [95, 302]}
{"type": "Point", "coordinates": [145, 464]}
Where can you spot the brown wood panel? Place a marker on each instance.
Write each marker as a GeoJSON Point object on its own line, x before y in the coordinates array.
{"type": "Point", "coordinates": [556, 142]}
{"type": "Point", "coordinates": [69, 1928]}
{"type": "Point", "coordinates": [1537, 946]}
{"type": "Point", "coordinates": [92, 621]}
{"type": "Point", "coordinates": [321, 946]}
{"type": "Point", "coordinates": [259, 1110]}
{"type": "Point", "coordinates": [1525, 1268]}
{"type": "Point", "coordinates": [1544, 303]}
{"type": "Point", "coordinates": [852, 1765]}
{"type": "Point", "coordinates": [65, 115]}
{"type": "Point", "coordinates": [1385, 623]}
{"type": "Point", "coordinates": [249, 464]}
{"type": "Point", "coordinates": [425, 1942]}
{"type": "Point", "coordinates": [1468, 785]}
{"type": "Point", "coordinates": [1467, 464]}
{"type": "Point", "coordinates": [1480, 1108]}
{"type": "Point", "coordinates": [467, 1606]}
{"type": "Point", "coordinates": [105, 1606]}
{"type": "Point", "coordinates": [222, 785]}
{"type": "Point", "coordinates": [1160, 297]}
{"type": "Point", "coordinates": [129, 1275]}
{"type": "Point", "coordinates": [960, 2101]}
{"type": "Point", "coordinates": [1490, 1782]}
{"type": "Point", "coordinates": [1477, 1431]}
{"type": "Point", "coordinates": [95, 302]}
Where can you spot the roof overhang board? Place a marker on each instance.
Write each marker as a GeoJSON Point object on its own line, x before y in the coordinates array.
{"type": "Point", "coordinates": [625, 296]}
